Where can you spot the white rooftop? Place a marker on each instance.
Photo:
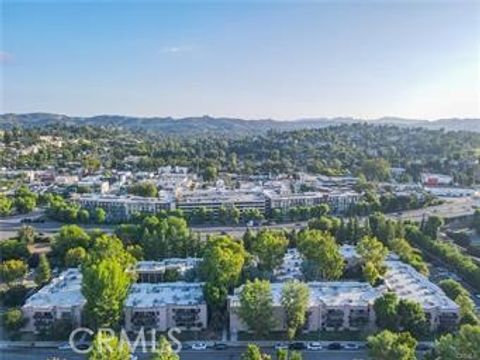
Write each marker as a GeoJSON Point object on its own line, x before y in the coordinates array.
{"type": "Point", "coordinates": [330, 294]}
{"type": "Point", "coordinates": [62, 291]}
{"type": "Point", "coordinates": [156, 295]}
{"type": "Point", "coordinates": [409, 284]}
{"type": "Point", "coordinates": [220, 195]}
{"type": "Point", "coordinates": [181, 264]}
{"type": "Point", "coordinates": [163, 196]}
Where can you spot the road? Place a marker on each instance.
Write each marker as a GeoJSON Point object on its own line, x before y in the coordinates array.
{"type": "Point", "coordinates": [230, 354]}
{"type": "Point", "coordinates": [453, 207]}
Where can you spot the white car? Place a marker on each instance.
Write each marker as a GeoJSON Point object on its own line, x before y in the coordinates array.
{"type": "Point", "coordinates": [281, 346]}
{"type": "Point", "coordinates": [351, 346]}
{"type": "Point", "coordinates": [199, 346]}
{"type": "Point", "coordinates": [314, 346]}
{"type": "Point", "coordinates": [65, 346]}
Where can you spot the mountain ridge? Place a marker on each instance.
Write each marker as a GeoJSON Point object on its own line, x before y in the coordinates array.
{"type": "Point", "coordinates": [222, 125]}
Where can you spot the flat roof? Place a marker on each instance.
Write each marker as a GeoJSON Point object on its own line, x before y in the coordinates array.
{"type": "Point", "coordinates": [214, 195]}
{"type": "Point", "coordinates": [409, 284]}
{"type": "Point", "coordinates": [62, 291]}
{"type": "Point", "coordinates": [329, 293]}
{"type": "Point", "coordinates": [164, 197]}
{"type": "Point", "coordinates": [179, 293]}
{"type": "Point", "coordinates": [167, 263]}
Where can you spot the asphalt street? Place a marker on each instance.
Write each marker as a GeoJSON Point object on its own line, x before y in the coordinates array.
{"type": "Point", "coordinates": [230, 354]}
{"type": "Point", "coordinates": [451, 208]}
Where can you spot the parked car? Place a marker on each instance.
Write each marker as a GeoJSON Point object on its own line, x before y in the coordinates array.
{"type": "Point", "coordinates": [314, 346]}
{"type": "Point", "coordinates": [423, 347]}
{"type": "Point", "coordinates": [199, 346]}
{"type": "Point", "coordinates": [281, 346]}
{"type": "Point", "coordinates": [220, 346]}
{"type": "Point", "coordinates": [298, 345]}
{"type": "Point", "coordinates": [334, 346]}
{"type": "Point", "coordinates": [351, 346]}
{"type": "Point", "coordinates": [65, 346]}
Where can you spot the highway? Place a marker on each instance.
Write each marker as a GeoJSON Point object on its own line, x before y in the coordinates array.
{"type": "Point", "coordinates": [453, 207]}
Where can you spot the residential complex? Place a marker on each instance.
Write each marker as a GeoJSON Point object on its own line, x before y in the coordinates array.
{"type": "Point", "coordinates": [166, 305]}
{"type": "Point", "coordinates": [340, 305]}
{"type": "Point", "coordinates": [154, 271]}
{"type": "Point", "coordinates": [61, 299]}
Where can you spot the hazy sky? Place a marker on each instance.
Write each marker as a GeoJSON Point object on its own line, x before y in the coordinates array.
{"type": "Point", "coordinates": [248, 59]}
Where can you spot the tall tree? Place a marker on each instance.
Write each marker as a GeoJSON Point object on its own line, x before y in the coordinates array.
{"type": "Point", "coordinates": [105, 286]}
{"type": "Point", "coordinates": [256, 307]}
{"type": "Point", "coordinates": [11, 270]}
{"type": "Point", "coordinates": [392, 346]}
{"type": "Point", "coordinates": [108, 347]}
{"type": "Point", "coordinates": [295, 300]}
{"type": "Point", "coordinates": [270, 247]}
{"type": "Point", "coordinates": [253, 352]}
{"type": "Point", "coordinates": [373, 254]}
{"type": "Point", "coordinates": [412, 317]}
{"type": "Point", "coordinates": [164, 351]}
{"type": "Point", "coordinates": [321, 249]}
{"type": "Point", "coordinates": [43, 273]}
{"type": "Point", "coordinates": [464, 345]}
{"type": "Point", "coordinates": [386, 311]}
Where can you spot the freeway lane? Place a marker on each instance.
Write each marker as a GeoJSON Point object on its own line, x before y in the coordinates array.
{"type": "Point", "coordinates": [451, 208]}
{"type": "Point", "coordinates": [230, 354]}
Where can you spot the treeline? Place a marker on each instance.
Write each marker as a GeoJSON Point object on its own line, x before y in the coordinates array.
{"type": "Point", "coordinates": [354, 149]}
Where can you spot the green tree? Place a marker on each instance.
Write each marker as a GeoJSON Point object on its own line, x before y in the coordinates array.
{"type": "Point", "coordinates": [467, 310]}
{"type": "Point", "coordinates": [376, 169]}
{"type": "Point", "coordinates": [452, 288]}
{"type": "Point", "coordinates": [253, 352]}
{"type": "Point", "coordinates": [164, 351]}
{"type": "Point", "coordinates": [25, 200]}
{"type": "Point", "coordinates": [210, 173]}
{"type": "Point", "coordinates": [256, 307]}
{"type": "Point", "coordinates": [270, 247]}
{"type": "Point", "coordinates": [373, 254]}
{"type": "Point", "coordinates": [321, 249]}
{"type": "Point", "coordinates": [105, 286]}
{"type": "Point", "coordinates": [6, 205]}
{"type": "Point", "coordinates": [75, 257]}
{"type": "Point", "coordinates": [295, 299]}
{"type": "Point", "coordinates": [26, 234]}
{"type": "Point", "coordinates": [475, 221]}
{"type": "Point", "coordinates": [13, 249]}
{"type": "Point", "coordinates": [222, 264]}
{"type": "Point", "coordinates": [83, 216]}
{"type": "Point", "coordinates": [145, 189]}
{"type": "Point", "coordinates": [386, 311]}
{"type": "Point", "coordinates": [99, 216]}
{"type": "Point", "coordinates": [411, 317]}
{"type": "Point", "coordinates": [11, 270]}
{"type": "Point", "coordinates": [391, 346]}
{"type": "Point", "coordinates": [431, 226]}
{"type": "Point", "coordinates": [43, 273]}
{"type": "Point", "coordinates": [69, 237]}
{"type": "Point", "coordinates": [108, 347]}
{"type": "Point", "coordinates": [464, 345]}
{"type": "Point", "coordinates": [13, 319]}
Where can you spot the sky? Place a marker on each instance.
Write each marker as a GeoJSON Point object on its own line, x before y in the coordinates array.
{"type": "Point", "coordinates": [250, 59]}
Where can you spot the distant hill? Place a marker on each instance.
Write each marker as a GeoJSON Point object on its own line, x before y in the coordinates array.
{"type": "Point", "coordinates": [211, 125]}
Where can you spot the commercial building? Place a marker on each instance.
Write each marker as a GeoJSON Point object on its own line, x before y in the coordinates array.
{"type": "Point", "coordinates": [436, 179]}
{"type": "Point", "coordinates": [166, 305]}
{"type": "Point", "coordinates": [214, 199]}
{"type": "Point", "coordinates": [120, 208]}
{"type": "Point", "coordinates": [154, 271]}
{"type": "Point", "coordinates": [62, 299]}
{"type": "Point", "coordinates": [333, 306]}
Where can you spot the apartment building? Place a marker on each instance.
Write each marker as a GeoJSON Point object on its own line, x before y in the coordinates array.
{"type": "Point", "coordinates": [164, 306]}
{"type": "Point", "coordinates": [333, 306]}
{"type": "Point", "coordinates": [157, 271]}
{"type": "Point", "coordinates": [120, 208]}
{"type": "Point", "coordinates": [409, 284]}
{"type": "Point", "coordinates": [62, 299]}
